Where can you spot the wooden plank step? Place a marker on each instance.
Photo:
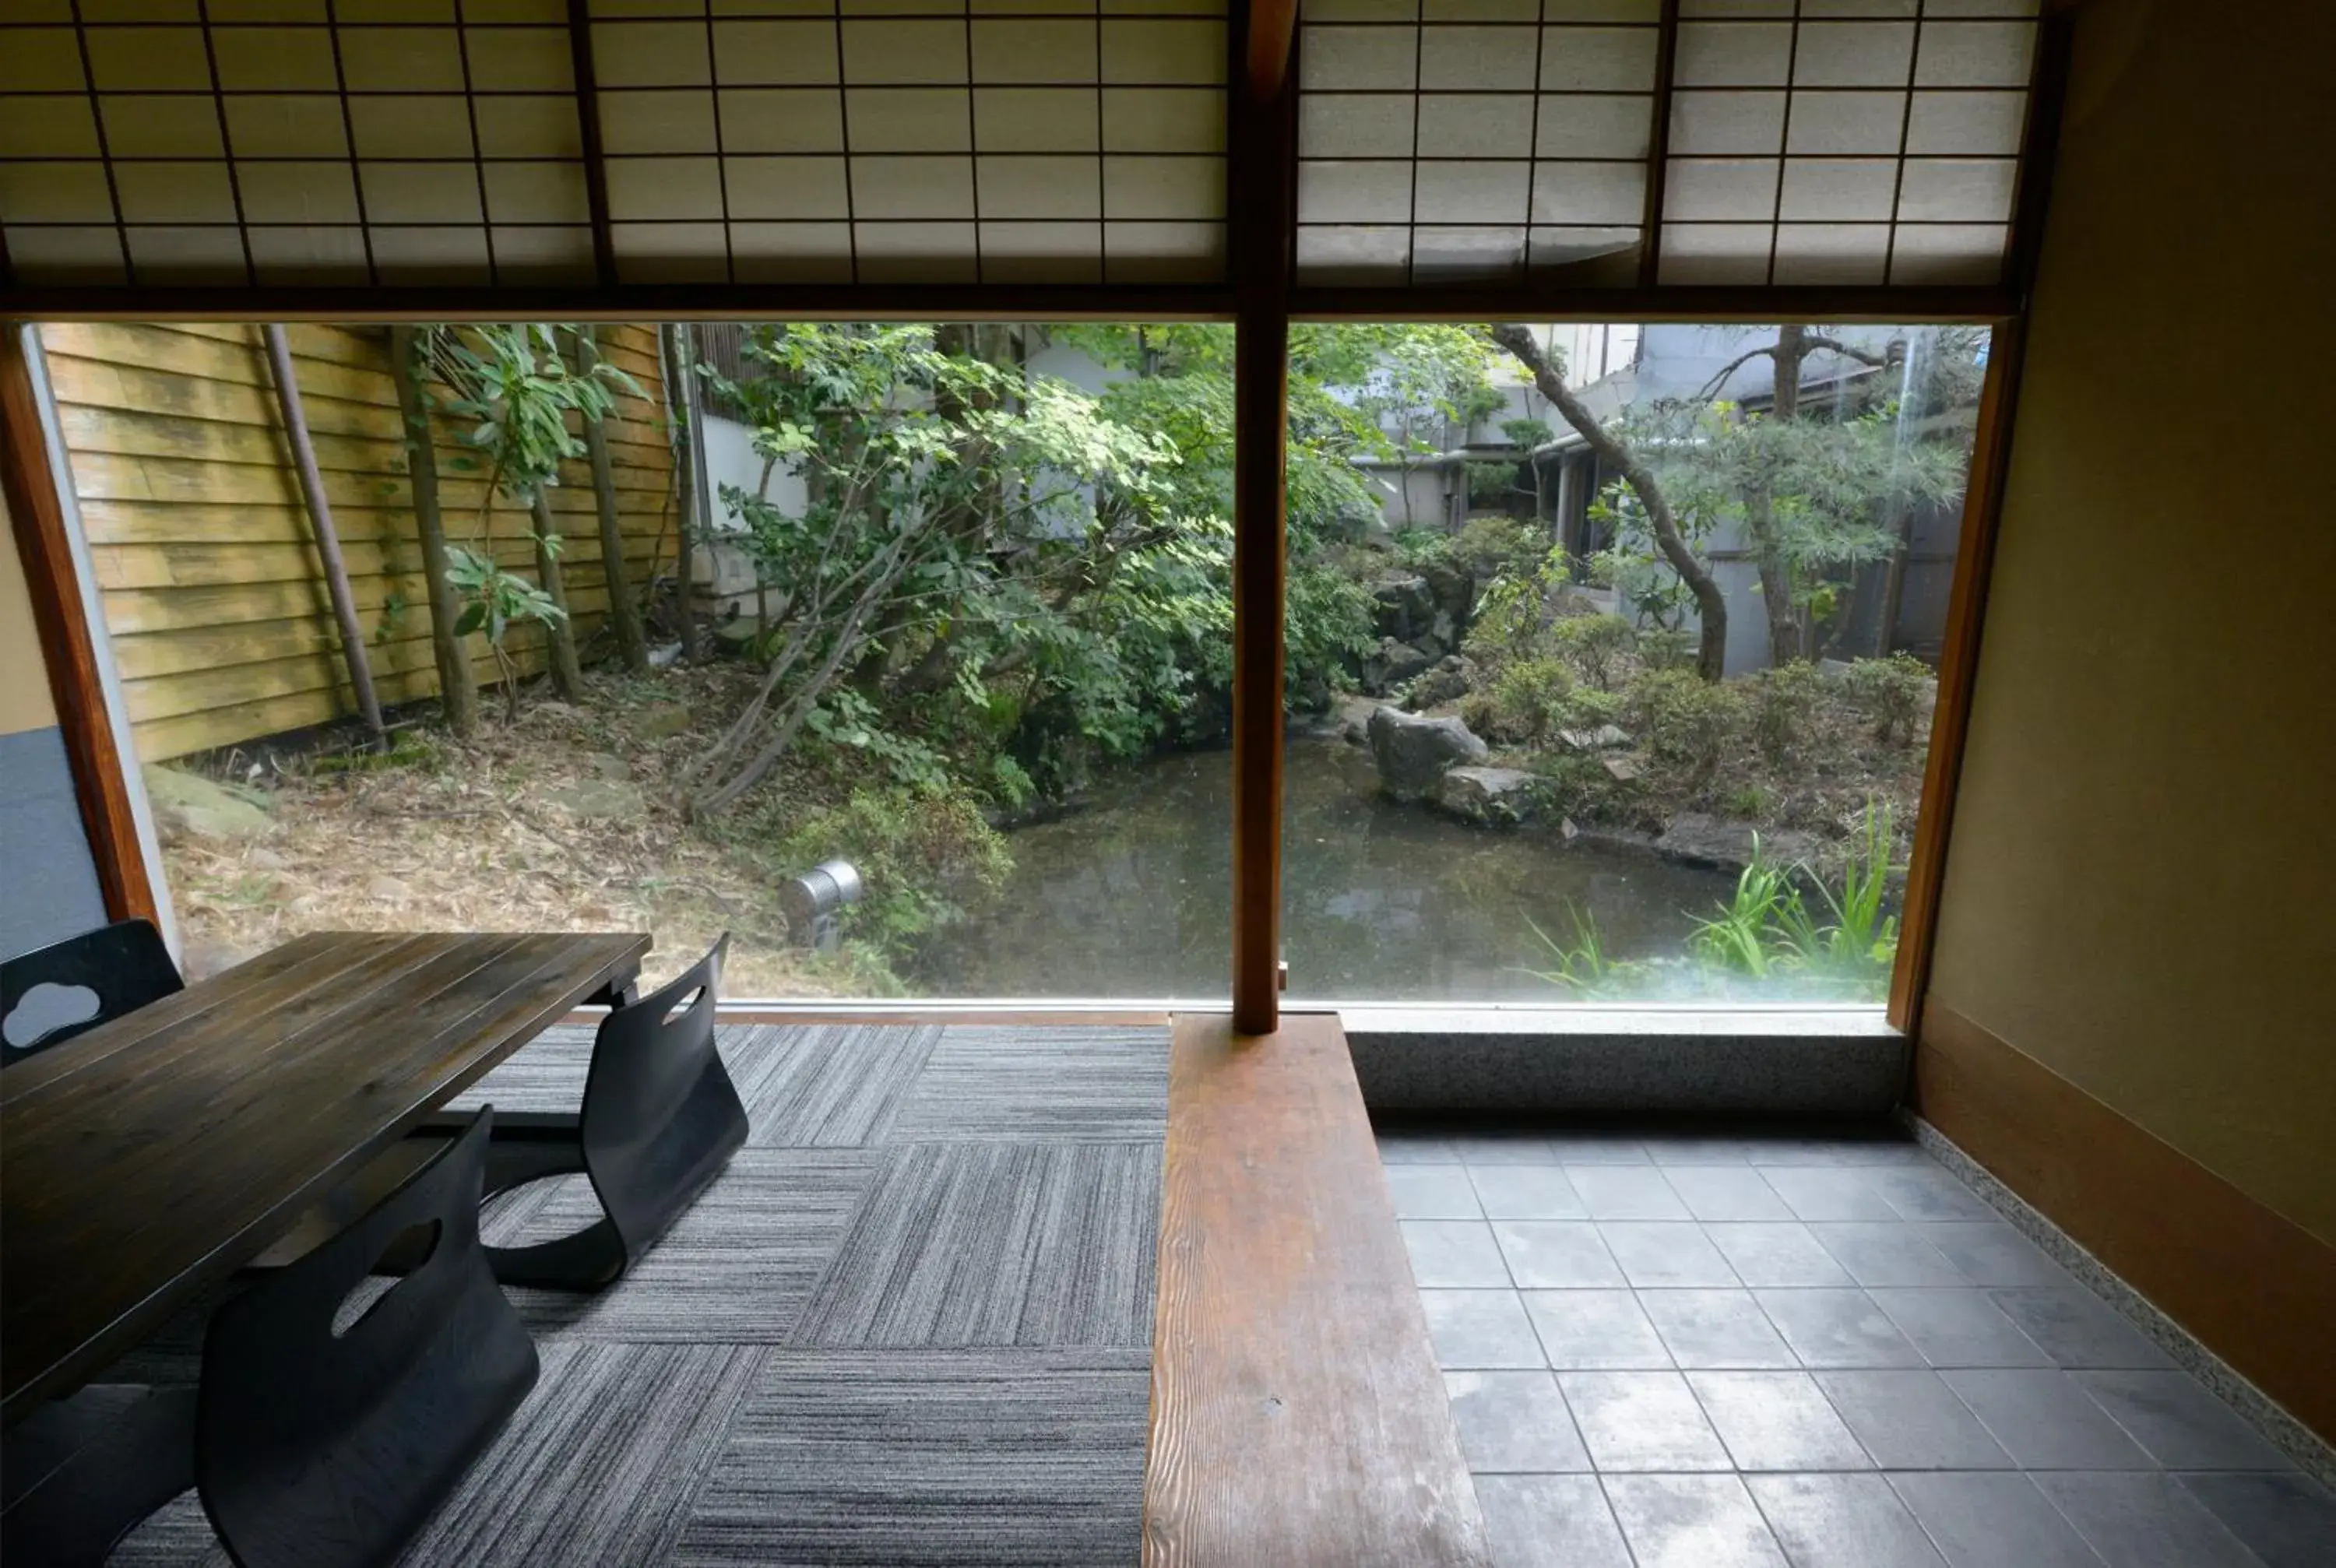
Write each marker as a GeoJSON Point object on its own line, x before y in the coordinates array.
{"type": "Point", "coordinates": [1298, 1414]}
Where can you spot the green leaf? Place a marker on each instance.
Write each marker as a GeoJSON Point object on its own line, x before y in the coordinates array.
{"type": "Point", "coordinates": [473, 616]}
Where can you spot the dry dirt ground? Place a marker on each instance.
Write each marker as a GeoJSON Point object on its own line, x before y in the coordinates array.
{"type": "Point", "coordinates": [565, 820]}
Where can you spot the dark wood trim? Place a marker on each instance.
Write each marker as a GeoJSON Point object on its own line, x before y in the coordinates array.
{"type": "Point", "coordinates": [36, 516]}
{"type": "Point", "coordinates": [2039, 148]}
{"type": "Point", "coordinates": [588, 125]}
{"type": "Point", "coordinates": [1263, 128]}
{"type": "Point", "coordinates": [1926, 864]}
{"type": "Point", "coordinates": [1298, 1414]}
{"type": "Point", "coordinates": [2255, 1288]}
{"type": "Point", "coordinates": [1695, 303]}
{"type": "Point", "coordinates": [1658, 147]}
{"type": "Point", "coordinates": [909, 1013]}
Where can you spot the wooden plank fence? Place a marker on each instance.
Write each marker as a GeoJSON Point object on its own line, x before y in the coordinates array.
{"type": "Point", "coordinates": [204, 553]}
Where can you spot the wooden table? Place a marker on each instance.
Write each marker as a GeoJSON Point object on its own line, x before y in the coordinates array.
{"type": "Point", "coordinates": [143, 1161]}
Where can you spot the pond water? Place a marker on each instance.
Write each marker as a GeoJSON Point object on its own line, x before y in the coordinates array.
{"type": "Point", "coordinates": [1132, 896]}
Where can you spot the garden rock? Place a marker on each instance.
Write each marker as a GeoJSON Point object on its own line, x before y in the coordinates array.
{"type": "Point", "coordinates": [1406, 605]}
{"type": "Point", "coordinates": [1394, 664]}
{"type": "Point", "coordinates": [1454, 592]}
{"type": "Point", "coordinates": [735, 637]}
{"type": "Point", "coordinates": [1489, 796]}
{"type": "Point", "coordinates": [1450, 680]}
{"type": "Point", "coordinates": [1727, 843]}
{"type": "Point", "coordinates": [1415, 752]}
{"type": "Point", "coordinates": [1354, 716]}
{"type": "Point", "coordinates": [196, 806]}
{"type": "Point", "coordinates": [664, 720]}
{"type": "Point", "coordinates": [1605, 738]}
{"type": "Point", "coordinates": [598, 799]}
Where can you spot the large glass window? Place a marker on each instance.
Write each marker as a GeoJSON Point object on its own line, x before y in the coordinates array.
{"type": "Point", "coordinates": [1614, 650]}
{"type": "Point", "coordinates": [928, 696]}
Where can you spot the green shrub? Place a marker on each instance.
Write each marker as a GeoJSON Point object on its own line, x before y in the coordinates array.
{"type": "Point", "coordinates": [1784, 703]}
{"type": "Point", "coordinates": [1892, 692]}
{"type": "Point", "coordinates": [1595, 645]}
{"type": "Point", "coordinates": [1588, 708]}
{"type": "Point", "coordinates": [1528, 695]}
{"type": "Point", "coordinates": [1490, 546]}
{"type": "Point", "coordinates": [1685, 722]}
{"type": "Point", "coordinates": [1666, 647]}
{"type": "Point", "coordinates": [927, 857]}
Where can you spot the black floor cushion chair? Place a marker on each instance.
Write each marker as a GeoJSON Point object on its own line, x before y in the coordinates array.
{"type": "Point", "coordinates": [314, 1443]}
{"type": "Point", "coordinates": [125, 964]}
{"type": "Point", "coordinates": [660, 1119]}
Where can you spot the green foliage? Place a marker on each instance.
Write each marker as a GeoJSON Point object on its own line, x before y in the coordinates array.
{"type": "Point", "coordinates": [1528, 698]}
{"type": "Point", "coordinates": [1769, 929]}
{"type": "Point", "coordinates": [1892, 692]}
{"type": "Point", "coordinates": [1736, 937]}
{"type": "Point", "coordinates": [1594, 645]}
{"type": "Point", "coordinates": [1526, 433]}
{"type": "Point", "coordinates": [928, 857]}
{"type": "Point", "coordinates": [1583, 966]}
{"type": "Point", "coordinates": [492, 598]}
{"type": "Point", "coordinates": [1492, 483]}
{"type": "Point", "coordinates": [1783, 704]}
{"type": "Point", "coordinates": [1490, 547]}
{"type": "Point", "coordinates": [1685, 723]}
{"type": "Point", "coordinates": [512, 389]}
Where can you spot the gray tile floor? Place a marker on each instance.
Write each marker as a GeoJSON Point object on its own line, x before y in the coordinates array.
{"type": "Point", "coordinates": [1708, 1352]}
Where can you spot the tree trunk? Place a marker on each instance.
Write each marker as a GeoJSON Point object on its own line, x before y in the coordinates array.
{"type": "Point", "coordinates": [685, 463]}
{"type": "Point", "coordinates": [458, 688]}
{"type": "Point", "coordinates": [1712, 606]}
{"type": "Point", "coordinates": [624, 610]}
{"type": "Point", "coordinates": [560, 635]}
{"type": "Point", "coordinates": [328, 539]}
{"type": "Point", "coordinates": [1778, 591]}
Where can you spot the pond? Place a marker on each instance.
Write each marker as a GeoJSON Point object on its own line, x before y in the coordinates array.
{"type": "Point", "coordinates": [1132, 896]}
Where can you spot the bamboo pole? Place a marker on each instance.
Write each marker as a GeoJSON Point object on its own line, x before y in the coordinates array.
{"type": "Point", "coordinates": [624, 610]}
{"type": "Point", "coordinates": [567, 675]}
{"type": "Point", "coordinates": [458, 688]}
{"type": "Point", "coordinates": [328, 539]}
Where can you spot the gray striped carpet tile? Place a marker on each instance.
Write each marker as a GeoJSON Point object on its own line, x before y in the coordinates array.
{"type": "Point", "coordinates": [599, 1466]}
{"type": "Point", "coordinates": [832, 1086]}
{"type": "Point", "coordinates": [953, 1459]}
{"type": "Point", "coordinates": [994, 1244]}
{"type": "Point", "coordinates": [546, 1073]}
{"type": "Point", "coordinates": [1033, 1085]}
{"type": "Point", "coordinates": [737, 1266]}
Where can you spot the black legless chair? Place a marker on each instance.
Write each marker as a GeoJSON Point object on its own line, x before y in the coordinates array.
{"type": "Point", "coordinates": [308, 1448]}
{"type": "Point", "coordinates": [125, 964]}
{"type": "Point", "coordinates": [660, 1119]}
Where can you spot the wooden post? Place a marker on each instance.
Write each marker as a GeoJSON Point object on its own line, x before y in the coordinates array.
{"type": "Point", "coordinates": [1263, 126]}
{"type": "Point", "coordinates": [624, 610]}
{"type": "Point", "coordinates": [458, 688]}
{"type": "Point", "coordinates": [679, 407]}
{"type": "Point", "coordinates": [559, 635]}
{"type": "Point", "coordinates": [328, 539]}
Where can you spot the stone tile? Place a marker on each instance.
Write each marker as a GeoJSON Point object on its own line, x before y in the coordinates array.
{"type": "Point", "coordinates": [2077, 1329]}
{"type": "Point", "coordinates": [1891, 1254]}
{"type": "Point", "coordinates": [1829, 1192]}
{"type": "Point", "coordinates": [1842, 1521]}
{"type": "Point", "coordinates": [1838, 1329]}
{"type": "Point", "coordinates": [1993, 1521]}
{"type": "Point", "coordinates": [1959, 1329]}
{"type": "Point", "coordinates": [1692, 1521]}
{"type": "Point", "coordinates": [2286, 1519]}
{"type": "Point", "coordinates": [1693, 1149]}
{"type": "Point", "coordinates": [1647, 1421]}
{"type": "Point", "coordinates": [1716, 1328]}
{"type": "Point", "coordinates": [2046, 1422]}
{"type": "Point", "coordinates": [1911, 1421]}
{"type": "Point", "coordinates": [1726, 1193]}
{"type": "Point", "coordinates": [1590, 1148]}
{"type": "Point", "coordinates": [1657, 1254]}
{"type": "Point", "coordinates": [1514, 1422]}
{"type": "Point", "coordinates": [1556, 1254]}
{"type": "Point", "coordinates": [1776, 1421]}
{"type": "Point", "coordinates": [1503, 1149]}
{"type": "Point", "coordinates": [1990, 1252]}
{"type": "Point", "coordinates": [1776, 1254]}
{"type": "Point", "coordinates": [1408, 1148]}
{"type": "Point", "coordinates": [1627, 1193]}
{"type": "Point", "coordinates": [2183, 1425]}
{"type": "Point", "coordinates": [1431, 1193]}
{"type": "Point", "coordinates": [1526, 1192]}
{"type": "Point", "coordinates": [1550, 1522]}
{"type": "Point", "coordinates": [1479, 1328]}
{"type": "Point", "coordinates": [1879, 1148]}
{"type": "Point", "coordinates": [2140, 1519]}
{"type": "Point", "coordinates": [1928, 1193]}
{"type": "Point", "coordinates": [1595, 1329]}
{"type": "Point", "coordinates": [1454, 1252]}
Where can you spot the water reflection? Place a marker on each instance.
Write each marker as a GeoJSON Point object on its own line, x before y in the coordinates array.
{"type": "Point", "coordinates": [1132, 897]}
